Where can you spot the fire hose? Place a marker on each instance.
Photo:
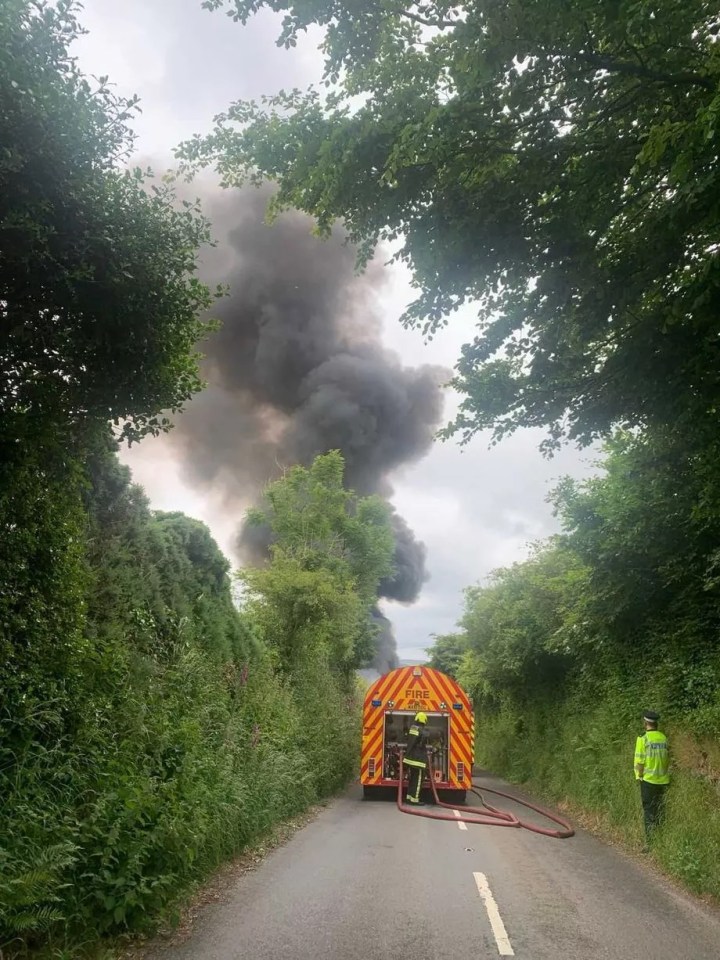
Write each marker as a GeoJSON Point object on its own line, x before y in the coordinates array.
{"type": "Point", "coordinates": [487, 815]}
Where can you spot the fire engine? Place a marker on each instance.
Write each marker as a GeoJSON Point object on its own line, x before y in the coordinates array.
{"type": "Point", "coordinates": [389, 707]}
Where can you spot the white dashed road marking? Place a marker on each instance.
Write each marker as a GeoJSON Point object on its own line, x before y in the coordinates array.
{"type": "Point", "coordinates": [463, 826]}
{"type": "Point", "coordinates": [498, 927]}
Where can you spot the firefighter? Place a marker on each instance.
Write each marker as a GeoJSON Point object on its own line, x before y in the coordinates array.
{"type": "Point", "coordinates": [416, 758]}
{"type": "Point", "coordinates": [652, 760]}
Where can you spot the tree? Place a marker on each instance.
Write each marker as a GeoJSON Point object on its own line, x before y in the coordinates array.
{"type": "Point", "coordinates": [98, 302]}
{"type": "Point", "coordinates": [519, 628]}
{"type": "Point", "coordinates": [447, 651]}
{"type": "Point", "coordinates": [556, 163]}
{"type": "Point", "coordinates": [647, 530]}
{"type": "Point", "coordinates": [330, 550]}
{"type": "Point", "coordinates": [99, 316]}
{"type": "Point", "coordinates": [628, 591]}
{"type": "Point", "coordinates": [158, 580]}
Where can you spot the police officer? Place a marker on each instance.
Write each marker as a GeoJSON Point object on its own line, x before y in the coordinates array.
{"type": "Point", "coordinates": [416, 758]}
{"type": "Point", "coordinates": [652, 761]}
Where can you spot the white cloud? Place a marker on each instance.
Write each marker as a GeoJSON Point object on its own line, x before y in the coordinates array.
{"type": "Point", "coordinates": [187, 64]}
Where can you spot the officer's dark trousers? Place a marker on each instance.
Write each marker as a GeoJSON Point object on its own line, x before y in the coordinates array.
{"type": "Point", "coordinates": [415, 782]}
{"type": "Point", "coordinates": [653, 801]}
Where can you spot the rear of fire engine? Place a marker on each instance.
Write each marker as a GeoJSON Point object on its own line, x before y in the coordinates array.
{"type": "Point", "coordinates": [390, 705]}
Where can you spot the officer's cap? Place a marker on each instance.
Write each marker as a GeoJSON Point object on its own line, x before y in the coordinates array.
{"type": "Point", "coordinates": [651, 716]}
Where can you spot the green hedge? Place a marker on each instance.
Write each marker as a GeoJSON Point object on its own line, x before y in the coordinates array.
{"type": "Point", "coordinates": [580, 749]}
{"type": "Point", "coordinates": [163, 740]}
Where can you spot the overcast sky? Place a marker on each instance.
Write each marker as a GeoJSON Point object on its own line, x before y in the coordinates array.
{"type": "Point", "coordinates": [475, 508]}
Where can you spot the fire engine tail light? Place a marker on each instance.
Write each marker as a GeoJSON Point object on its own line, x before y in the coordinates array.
{"type": "Point", "coordinates": [371, 767]}
{"type": "Point", "coordinates": [460, 770]}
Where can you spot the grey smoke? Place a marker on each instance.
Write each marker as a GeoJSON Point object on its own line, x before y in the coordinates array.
{"type": "Point", "coordinates": [297, 369]}
{"type": "Point", "coordinates": [409, 574]}
{"type": "Point", "coordinates": [386, 649]}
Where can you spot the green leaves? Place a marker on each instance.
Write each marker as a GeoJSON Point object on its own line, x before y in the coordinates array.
{"type": "Point", "coordinates": [518, 628]}
{"type": "Point", "coordinates": [635, 570]}
{"type": "Point", "coordinates": [447, 652]}
{"type": "Point", "coordinates": [30, 890]}
{"type": "Point", "coordinates": [330, 550]}
{"type": "Point", "coordinates": [554, 166]}
{"type": "Point", "coordinates": [145, 735]}
{"type": "Point", "coordinates": [99, 319]}
{"type": "Point", "coordinates": [100, 311]}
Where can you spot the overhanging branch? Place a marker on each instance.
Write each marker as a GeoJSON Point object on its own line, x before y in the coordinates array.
{"type": "Point", "coordinates": [439, 24]}
{"type": "Point", "coordinates": [612, 65]}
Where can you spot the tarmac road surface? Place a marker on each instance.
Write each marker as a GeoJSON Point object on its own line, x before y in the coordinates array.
{"type": "Point", "coordinates": [365, 882]}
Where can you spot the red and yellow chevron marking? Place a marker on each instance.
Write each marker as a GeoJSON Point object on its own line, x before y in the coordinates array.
{"type": "Point", "coordinates": [418, 688]}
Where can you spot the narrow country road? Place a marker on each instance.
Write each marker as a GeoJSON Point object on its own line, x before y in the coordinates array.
{"type": "Point", "coordinates": [365, 882]}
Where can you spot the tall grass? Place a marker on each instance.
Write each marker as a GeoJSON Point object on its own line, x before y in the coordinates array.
{"type": "Point", "coordinates": [581, 750]}
{"type": "Point", "coordinates": [187, 763]}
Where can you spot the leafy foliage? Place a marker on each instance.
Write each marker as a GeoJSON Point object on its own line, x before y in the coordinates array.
{"type": "Point", "coordinates": [635, 569]}
{"type": "Point", "coordinates": [617, 614]}
{"type": "Point", "coordinates": [99, 303]}
{"type": "Point", "coordinates": [165, 739]}
{"type": "Point", "coordinates": [331, 550]}
{"type": "Point", "coordinates": [519, 629]}
{"type": "Point", "coordinates": [99, 316]}
{"type": "Point", "coordinates": [145, 732]}
{"type": "Point", "coordinates": [447, 652]}
{"type": "Point", "coordinates": [556, 163]}
{"type": "Point", "coordinates": [647, 530]}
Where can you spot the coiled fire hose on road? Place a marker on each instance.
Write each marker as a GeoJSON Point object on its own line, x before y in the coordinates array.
{"type": "Point", "coordinates": [487, 815]}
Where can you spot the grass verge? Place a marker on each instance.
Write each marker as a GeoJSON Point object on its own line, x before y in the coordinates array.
{"type": "Point", "coordinates": [585, 767]}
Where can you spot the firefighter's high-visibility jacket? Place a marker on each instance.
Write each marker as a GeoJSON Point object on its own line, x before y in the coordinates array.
{"type": "Point", "coordinates": [416, 750]}
{"type": "Point", "coordinates": [651, 753]}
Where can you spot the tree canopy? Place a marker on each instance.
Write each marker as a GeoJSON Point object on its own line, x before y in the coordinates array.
{"type": "Point", "coordinates": [557, 164]}
{"type": "Point", "coordinates": [447, 652]}
{"type": "Point", "coordinates": [617, 613]}
{"type": "Point", "coordinates": [520, 627]}
{"type": "Point", "coordinates": [629, 586]}
{"type": "Point", "coordinates": [329, 553]}
{"type": "Point", "coordinates": [99, 306]}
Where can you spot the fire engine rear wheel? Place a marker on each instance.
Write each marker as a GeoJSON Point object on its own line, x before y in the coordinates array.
{"type": "Point", "coordinates": [379, 793]}
{"type": "Point", "coordinates": [453, 796]}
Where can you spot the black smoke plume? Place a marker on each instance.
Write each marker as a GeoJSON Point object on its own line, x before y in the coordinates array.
{"type": "Point", "coordinates": [298, 369]}
{"type": "Point", "coordinates": [386, 650]}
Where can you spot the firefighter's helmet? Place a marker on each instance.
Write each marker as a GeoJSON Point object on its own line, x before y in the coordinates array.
{"type": "Point", "coordinates": [420, 718]}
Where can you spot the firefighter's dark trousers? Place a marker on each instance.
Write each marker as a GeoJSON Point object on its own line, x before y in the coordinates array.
{"type": "Point", "coordinates": [653, 801]}
{"type": "Point", "coordinates": [417, 769]}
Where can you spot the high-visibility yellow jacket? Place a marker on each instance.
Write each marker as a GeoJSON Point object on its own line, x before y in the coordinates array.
{"type": "Point", "coordinates": [416, 749]}
{"type": "Point", "coordinates": [652, 754]}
